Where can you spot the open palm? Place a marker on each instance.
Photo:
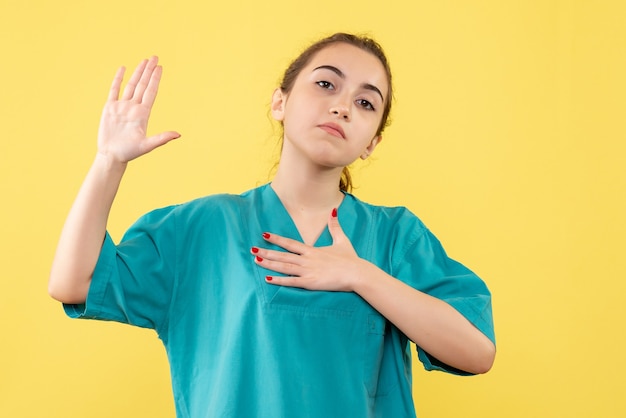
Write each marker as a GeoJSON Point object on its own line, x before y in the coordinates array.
{"type": "Point", "coordinates": [123, 127]}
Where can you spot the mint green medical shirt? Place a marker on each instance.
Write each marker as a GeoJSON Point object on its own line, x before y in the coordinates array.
{"type": "Point", "coordinates": [240, 347]}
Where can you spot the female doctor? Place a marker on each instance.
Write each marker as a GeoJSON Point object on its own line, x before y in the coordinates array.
{"type": "Point", "coordinates": [294, 299]}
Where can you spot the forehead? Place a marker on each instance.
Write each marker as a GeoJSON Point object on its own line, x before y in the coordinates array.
{"type": "Point", "coordinates": [357, 64]}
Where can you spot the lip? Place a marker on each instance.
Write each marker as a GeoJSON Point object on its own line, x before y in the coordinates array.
{"type": "Point", "coordinates": [333, 129]}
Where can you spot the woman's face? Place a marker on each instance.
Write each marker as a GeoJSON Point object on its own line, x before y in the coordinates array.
{"type": "Point", "coordinates": [332, 113]}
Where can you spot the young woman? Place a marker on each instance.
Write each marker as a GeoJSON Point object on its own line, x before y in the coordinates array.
{"type": "Point", "coordinates": [294, 299]}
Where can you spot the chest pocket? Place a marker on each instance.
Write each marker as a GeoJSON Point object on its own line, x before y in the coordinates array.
{"type": "Point", "coordinates": [315, 303]}
{"type": "Point", "coordinates": [371, 332]}
{"type": "Point", "coordinates": [379, 356]}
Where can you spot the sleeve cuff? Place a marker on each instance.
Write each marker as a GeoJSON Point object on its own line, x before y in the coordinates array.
{"type": "Point", "coordinates": [91, 309]}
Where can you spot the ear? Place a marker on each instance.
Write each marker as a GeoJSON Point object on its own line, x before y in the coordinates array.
{"type": "Point", "coordinates": [371, 147]}
{"type": "Point", "coordinates": [278, 104]}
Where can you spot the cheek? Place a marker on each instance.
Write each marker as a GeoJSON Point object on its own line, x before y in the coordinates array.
{"type": "Point", "coordinates": [298, 112]}
{"type": "Point", "coordinates": [293, 124]}
{"type": "Point", "coordinates": [368, 124]}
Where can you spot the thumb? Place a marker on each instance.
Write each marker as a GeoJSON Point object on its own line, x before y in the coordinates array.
{"type": "Point", "coordinates": [336, 232]}
{"type": "Point", "coordinates": [160, 139]}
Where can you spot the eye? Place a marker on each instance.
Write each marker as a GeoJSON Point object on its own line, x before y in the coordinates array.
{"type": "Point", "coordinates": [325, 84]}
{"type": "Point", "coordinates": [365, 104]}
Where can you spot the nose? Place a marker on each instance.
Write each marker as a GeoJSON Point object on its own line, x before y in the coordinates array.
{"type": "Point", "coordinates": [341, 111]}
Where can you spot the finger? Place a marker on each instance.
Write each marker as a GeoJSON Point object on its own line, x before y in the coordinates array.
{"type": "Point", "coordinates": [153, 87]}
{"type": "Point", "coordinates": [114, 92]}
{"type": "Point", "coordinates": [288, 244]}
{"type": "Point", "coordinates": [129, 90]}
{"type": "Point", "coordinates": [280, 256]}
{"type": "Point", "coordinates": [145, 79]}
{"type": "Point", "coordinates": [285, 281]}
{"type": "Point", "coordinates": [283, 268]}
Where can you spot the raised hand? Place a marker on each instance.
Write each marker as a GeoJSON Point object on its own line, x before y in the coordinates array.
{"type": "Point", "coordinates": [331, 268]}
{"type": "Point", "coordinates": [123, 126]}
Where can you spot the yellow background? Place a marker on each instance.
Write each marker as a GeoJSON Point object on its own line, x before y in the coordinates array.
{"type": "Point", "coordinates": [508, 141]}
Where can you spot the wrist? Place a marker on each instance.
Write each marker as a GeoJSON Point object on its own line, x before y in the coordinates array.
{"type": "Point", "coordinates": [364, 271]}
{"type": "Point", "coordinates": [109, 164]}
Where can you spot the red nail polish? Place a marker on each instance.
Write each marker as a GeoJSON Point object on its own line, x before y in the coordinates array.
{"type": "Point", "coordinates": [334, 214]}
{"type": "Point", "coordinates": [259, 259]}
{"type": "Point", "coordinates": [268, 278]}
{"type": "Point", "coordinates": [255, 250]}
{"type": "Point", "coordinates": [266, 235]}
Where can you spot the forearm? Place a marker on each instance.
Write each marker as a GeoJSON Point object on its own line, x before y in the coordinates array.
{"type": "Point", "coordinates": [82, 235]}
{"type": "Point", "coordinates": [431, 323]}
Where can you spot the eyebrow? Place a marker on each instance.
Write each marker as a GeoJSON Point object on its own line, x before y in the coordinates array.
{"type": "Point", "coordinates": [337, 71]}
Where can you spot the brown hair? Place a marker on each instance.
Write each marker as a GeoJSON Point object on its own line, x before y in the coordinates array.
{"type": "Point", "coordinates": [363, 42]}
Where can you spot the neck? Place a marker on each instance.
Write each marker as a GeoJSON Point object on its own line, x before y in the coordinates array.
{"type": "Point", "coordinates": [304, 188]}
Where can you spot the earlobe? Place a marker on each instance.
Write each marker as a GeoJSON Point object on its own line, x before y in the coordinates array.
{"type": "Point", "coordinates": [278, 105]}
{"type": "Point", "coordinates": [371, 147]}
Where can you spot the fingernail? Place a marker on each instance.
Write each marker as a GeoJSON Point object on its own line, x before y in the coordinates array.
{"type": "Point", "coordinates": [259, 259]}
{"type": "Point", "coordinates": [268, 278]}
{"type": "Point", "coordinates": [255, 250]}
{"type": "Point", "coordinates": [266, 235]}
{"type": "Point", "coordinates": [334, 214]}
